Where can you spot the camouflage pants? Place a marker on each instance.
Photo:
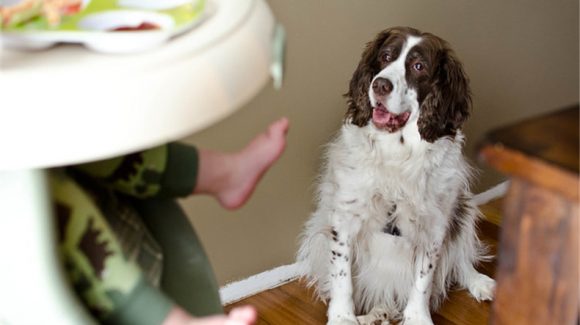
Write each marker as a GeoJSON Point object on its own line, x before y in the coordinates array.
{"type": "Point", "coordinates": [114, 263]}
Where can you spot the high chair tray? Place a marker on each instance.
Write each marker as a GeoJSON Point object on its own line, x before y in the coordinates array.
{"type": "Point", "coordinates": [67, 104]}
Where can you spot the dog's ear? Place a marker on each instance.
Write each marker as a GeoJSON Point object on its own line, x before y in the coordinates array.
{"type": "Point", "coordinates": [359, 109]}
{"type": "Point", "coordinates": [448, 106]}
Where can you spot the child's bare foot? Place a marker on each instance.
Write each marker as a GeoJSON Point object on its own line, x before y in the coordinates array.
{"type": "Point", "coordinates": [232, 178]}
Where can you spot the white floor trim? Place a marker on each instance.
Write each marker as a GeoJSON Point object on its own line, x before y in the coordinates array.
{"type": "Point", "coordinates": [239, 290]}
{"type": "Point", "coordinates": [493, 193]}
{"type": "Point", "coordinates": [276, 277]}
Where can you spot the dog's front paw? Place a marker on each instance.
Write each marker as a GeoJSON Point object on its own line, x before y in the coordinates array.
{"type": "Point", "coordinates": [340, 320]}
{"type": "Point", "coordinates": [482, 287]}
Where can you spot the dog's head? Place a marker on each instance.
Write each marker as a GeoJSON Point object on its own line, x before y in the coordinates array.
{"type": "Point", "coordinates": [404, 71]}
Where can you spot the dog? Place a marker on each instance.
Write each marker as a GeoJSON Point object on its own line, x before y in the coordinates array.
{"type": "Point", "coordinates": [395, 223]}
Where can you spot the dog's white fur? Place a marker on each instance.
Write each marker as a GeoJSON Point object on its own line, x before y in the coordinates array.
{"type": "Point", "coordinates": [371, 178]}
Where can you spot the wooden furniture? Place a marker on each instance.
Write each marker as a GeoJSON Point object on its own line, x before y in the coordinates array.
{"type": "Point", "coordinates": [537, 269]}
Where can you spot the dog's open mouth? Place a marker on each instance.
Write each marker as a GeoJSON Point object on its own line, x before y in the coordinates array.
{"type": "Point", "coordinates": [383, 119]}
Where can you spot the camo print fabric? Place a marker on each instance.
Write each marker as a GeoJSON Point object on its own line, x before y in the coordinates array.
{"type": "Point", "coordinates": [138, 174]}
{"type": "Point", "coordinates": [93, 258]}
{"type": "Point", "coordinates": [105, 247]}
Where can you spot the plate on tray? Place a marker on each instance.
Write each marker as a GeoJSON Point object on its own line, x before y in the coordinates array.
{"type": "Point", "coordinates": [108, 26]}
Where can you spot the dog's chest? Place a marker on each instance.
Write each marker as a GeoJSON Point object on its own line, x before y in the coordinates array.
{"type": "Point", "coordinates": [381, 180]}
{"type": "Point", "coordinates": [380, 165]}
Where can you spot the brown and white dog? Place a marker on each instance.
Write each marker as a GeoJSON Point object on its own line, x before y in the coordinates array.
{"type": "Point", "coordinates": [395, 224]}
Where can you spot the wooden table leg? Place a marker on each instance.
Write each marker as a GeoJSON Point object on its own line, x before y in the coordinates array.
{"type": "Point", "coordinates": [538, 259]}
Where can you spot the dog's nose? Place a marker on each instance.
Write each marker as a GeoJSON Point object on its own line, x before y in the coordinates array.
{"type": "Point", "coordinates": [382, 86]}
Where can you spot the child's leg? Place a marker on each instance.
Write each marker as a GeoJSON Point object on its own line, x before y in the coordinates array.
{"type": "Point", "coordinates": [112, 287]}
{"type": "Point", "coordinates": [187, 274]}
{"type": "Point", "coordinates": [232, 177]}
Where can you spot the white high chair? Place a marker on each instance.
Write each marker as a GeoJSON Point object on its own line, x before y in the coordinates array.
{"type": "Point", "coordinates": [68, 105]}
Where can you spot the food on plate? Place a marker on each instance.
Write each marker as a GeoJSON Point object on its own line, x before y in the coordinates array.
{"type": "Point", "coordinates": [26, 10]}
{"type": "Point", "coordinates": [143, 26]}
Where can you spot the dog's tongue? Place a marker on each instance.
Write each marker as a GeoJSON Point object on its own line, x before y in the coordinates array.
{"type": "Point", "coordinates": [384, 119]}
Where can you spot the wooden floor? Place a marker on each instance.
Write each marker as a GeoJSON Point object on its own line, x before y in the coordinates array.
{"type": "Point", "coordinates": [292, 303]}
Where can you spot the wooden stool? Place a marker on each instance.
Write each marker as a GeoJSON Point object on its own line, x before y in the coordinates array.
{"type": "Point", "coordinates": [537, 272]}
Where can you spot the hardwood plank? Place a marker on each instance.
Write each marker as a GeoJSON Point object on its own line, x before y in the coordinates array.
{"type": "Point", "coordinates": [461, 308]}
{"type": "Point", "coordinates": [493, 211]}
{"type": "Point", "coordinates": [291, 303]}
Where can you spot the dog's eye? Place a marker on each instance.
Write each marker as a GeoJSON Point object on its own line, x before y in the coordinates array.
{"type": "Point", "coordinates": [418, 66]}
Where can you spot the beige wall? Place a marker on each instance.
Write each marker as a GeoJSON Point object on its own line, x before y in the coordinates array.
{"type": "Point", "coordinates": [521, 56]}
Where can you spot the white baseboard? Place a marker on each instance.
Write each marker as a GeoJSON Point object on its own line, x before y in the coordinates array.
{"type": "Point", "coordinates": [276, 277]}
{"type": "Point", "coordinates": [493, 193]}
{"type": "Point", "coordinates": [270, 279]}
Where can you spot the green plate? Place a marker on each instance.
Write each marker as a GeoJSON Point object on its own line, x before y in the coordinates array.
{"type": "Point", "coordinates": [109, 25]}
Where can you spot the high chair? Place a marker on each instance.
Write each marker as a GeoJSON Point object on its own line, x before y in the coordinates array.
{"type": "Point", "coordinates": [68, 105]}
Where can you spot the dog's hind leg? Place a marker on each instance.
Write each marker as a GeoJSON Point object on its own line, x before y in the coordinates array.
{"type": "Point", "coordinates": [479, 285]}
